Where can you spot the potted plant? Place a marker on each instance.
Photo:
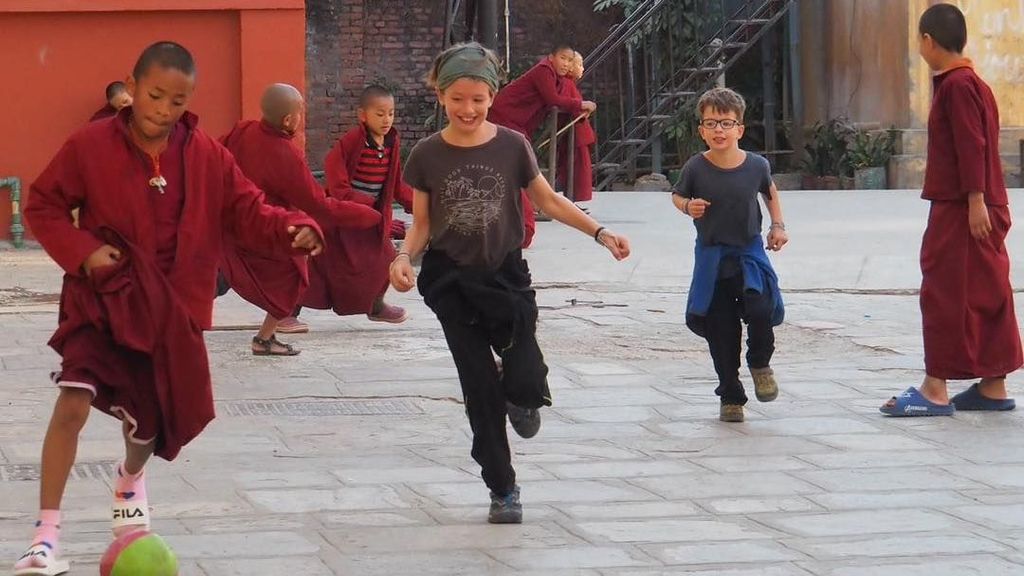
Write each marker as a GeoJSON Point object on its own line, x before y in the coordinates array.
{"type": "Point", "coordinates": [869, 155]}
{"type": "Point", "coordinates": [826, 159]}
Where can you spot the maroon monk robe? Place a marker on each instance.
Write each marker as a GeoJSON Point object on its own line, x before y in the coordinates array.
{"type": "Point", "coordinates": [268, 158]}
{"type": "Point", "coordinates": [969, 324]}
{"type": "Point", "coordinates": [123, 333]}
{"type": "Point", "coordinates": [106, 112]}
{"type": "Point", "coordinates": [583, 172]}
{"type": "Point", "coordinates": [523, 105]}
{"type": "Point", "coordinates": [146, 364]}
{"type": "Point", "coordinates": [352, 271]}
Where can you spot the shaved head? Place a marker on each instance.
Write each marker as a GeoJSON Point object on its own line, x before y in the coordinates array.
{"type": "Point", "coordinates": [164, 54]}
{"type": "Point", "coordinates": [280, 100]}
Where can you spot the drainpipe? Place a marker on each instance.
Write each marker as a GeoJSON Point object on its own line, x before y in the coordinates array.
{"type": "Point", "coordinates": [487, 23]}
{"type": "Point", "coordinates": [17, 230]}
{"type": "Point", "coordinates": [796, 80]}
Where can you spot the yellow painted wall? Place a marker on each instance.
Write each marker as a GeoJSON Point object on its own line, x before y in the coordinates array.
{"type": "Point", "coordinates": [871, 71]}
{"type": "Point", "coordinates": [995, 40]}
{"type": "Point", "coordinates": [920, 96]}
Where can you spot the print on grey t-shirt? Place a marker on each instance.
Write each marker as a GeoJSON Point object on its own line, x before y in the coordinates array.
{"type": "Point", "coordinates": [476, 214]}
{"type": "Point", "coordinates": [472, 197]}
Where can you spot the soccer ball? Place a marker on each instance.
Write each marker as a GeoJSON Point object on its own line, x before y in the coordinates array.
{"type": "Point", "coordinates": [139, 553]}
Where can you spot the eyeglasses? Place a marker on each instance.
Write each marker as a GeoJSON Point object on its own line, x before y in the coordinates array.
{"type": "Point", "coordinates": [727, 124]}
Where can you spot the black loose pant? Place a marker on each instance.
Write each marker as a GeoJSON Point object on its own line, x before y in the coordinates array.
{"type": "Point", "coordinates": [731, 307]}
{"type": "Point", "coordinates": [483, 311]}
{"type": "Point", "coordinates": [523, 382]}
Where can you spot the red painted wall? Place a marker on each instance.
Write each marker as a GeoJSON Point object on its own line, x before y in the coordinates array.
{"type": "Point", "coordinates": [58, 55]}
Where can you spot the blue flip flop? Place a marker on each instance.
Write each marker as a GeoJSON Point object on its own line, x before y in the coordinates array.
{"type": "Point", "coordinates": [912, 403]}
{"type": "Point", "coordinates": [972, 399]}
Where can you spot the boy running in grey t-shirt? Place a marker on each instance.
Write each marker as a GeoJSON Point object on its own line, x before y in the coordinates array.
{"type": "Point", "coordinates": [733, 280]}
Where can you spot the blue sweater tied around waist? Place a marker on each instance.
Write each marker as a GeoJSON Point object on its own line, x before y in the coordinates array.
{"type": "Point", "coordinates": [758, 276]}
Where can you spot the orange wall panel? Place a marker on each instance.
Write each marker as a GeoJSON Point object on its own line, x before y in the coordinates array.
{"type": "Point", "coordinates": [273, 50]}
{"type": "Point", "coordinates": [141, 5]}
{"type": "Point", "coordinates": [56, 65]}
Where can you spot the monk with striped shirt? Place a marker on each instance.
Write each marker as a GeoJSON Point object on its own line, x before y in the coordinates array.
{"type": "Point", "coordinates": [364, 166]}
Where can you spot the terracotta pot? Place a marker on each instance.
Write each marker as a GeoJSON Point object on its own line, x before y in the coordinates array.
{"type": "Point", "coordinates": [830, 183]}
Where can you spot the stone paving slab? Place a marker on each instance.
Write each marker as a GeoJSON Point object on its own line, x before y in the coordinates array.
{"type": "Point", "coordinates": [895, 546]}
{"type": "Point", "coordinates": [353, 458]}
{"type": "Point", "coordinates": [762, 569]}
{"type": "Point", "coordinates": [989, 565]}
{"type": "Point", "coordinates": [754, 553]}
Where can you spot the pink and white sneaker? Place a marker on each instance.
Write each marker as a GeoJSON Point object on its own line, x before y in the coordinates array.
{"type": "Point", "coordinates": [390, 314]}
{"type": "Point", "coordinates": [130, 509]}
{"type": "Point", "coordinates": [40, 560]}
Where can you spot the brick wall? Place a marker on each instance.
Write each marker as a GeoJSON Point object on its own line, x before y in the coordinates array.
{"type": "Point", "coordinates": [350, 43]}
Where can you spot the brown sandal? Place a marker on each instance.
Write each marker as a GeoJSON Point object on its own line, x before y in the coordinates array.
{"type": "Point", "coordinates": [266, 347]}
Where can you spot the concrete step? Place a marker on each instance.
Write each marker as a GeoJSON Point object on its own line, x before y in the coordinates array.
{"type": "Point", "coordinates": [907, 170]}
{"type": "Point", "coordinates": [915, 141]}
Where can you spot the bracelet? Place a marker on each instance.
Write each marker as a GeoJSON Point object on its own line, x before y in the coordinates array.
{"type": "Point", "coordinates": [686, 206]}
{"type": "Point", "coordinates": [779, 225]}
{"type": "Point", "coordinates": [597, 234]}
{"type": "Point", "coordinates": [399, 255]}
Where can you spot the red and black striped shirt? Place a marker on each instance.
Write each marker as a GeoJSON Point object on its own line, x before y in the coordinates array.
{"type": "Point", "coordinates": [372, 169]}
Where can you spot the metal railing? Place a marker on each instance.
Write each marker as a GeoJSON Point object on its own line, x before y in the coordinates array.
{"type": "Point", "coordinates": [645, 77]}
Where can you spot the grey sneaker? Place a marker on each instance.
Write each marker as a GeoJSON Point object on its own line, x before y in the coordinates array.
{"type": "Point", "coordinates": [525, 421]}
{"type": "Point", "coordinates": [506, 509]}
{"type": "Point", "coordinates": [765, 387]}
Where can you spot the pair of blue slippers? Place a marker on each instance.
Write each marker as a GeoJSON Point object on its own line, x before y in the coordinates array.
{"type": "Point", "coordinates": [912, 403]}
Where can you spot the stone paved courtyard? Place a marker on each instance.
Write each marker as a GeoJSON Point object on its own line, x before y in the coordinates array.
{"type": "Point", "coordinates": [353, 458]}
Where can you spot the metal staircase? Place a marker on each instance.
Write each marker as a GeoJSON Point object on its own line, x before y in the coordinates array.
{"type": "Point", "coordinates": [636, 108]}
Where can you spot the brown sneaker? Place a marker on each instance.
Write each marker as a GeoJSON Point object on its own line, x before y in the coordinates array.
{"type": "Point", "coordinates": [730, 413]}
{"type": "Point", "coordinates": [765, 387]}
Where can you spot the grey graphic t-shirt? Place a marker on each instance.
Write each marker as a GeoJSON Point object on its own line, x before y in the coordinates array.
{"type": "Point", "coordinates": [476, 211]}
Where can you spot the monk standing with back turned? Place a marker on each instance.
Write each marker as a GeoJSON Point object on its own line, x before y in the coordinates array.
{"type": "Point", "coordinates": [970, 329]}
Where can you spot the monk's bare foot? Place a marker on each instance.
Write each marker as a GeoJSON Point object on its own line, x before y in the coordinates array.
{"type": "Point", "coordinates": [934, 389]}
{"type": "Point", "coordinates": [994, 388]}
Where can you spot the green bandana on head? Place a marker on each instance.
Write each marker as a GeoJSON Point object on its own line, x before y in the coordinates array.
{"type": "Point", "coordinates": [468, 61]}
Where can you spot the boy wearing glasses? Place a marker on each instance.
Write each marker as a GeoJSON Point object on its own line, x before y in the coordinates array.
{"type": "Point", "coordinates": [733, 280]}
